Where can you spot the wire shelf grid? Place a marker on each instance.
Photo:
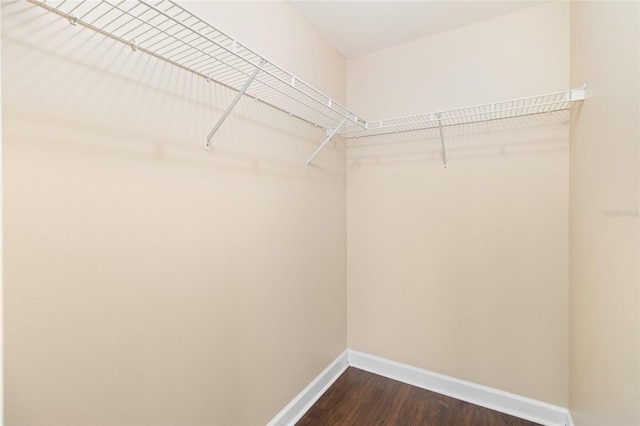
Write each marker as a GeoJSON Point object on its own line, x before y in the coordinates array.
{"type": "Point", "coordinates": [169, 32]}
{"type": "Point", "coordinates": [532, 105]}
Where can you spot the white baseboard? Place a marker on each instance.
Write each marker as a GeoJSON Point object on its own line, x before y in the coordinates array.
{"type": "Point", "coordinates": [484, 396]}
{"type": "Point", "coordinates": [309, 395]}
{"type": "Point", "coordinates": [505, 402]}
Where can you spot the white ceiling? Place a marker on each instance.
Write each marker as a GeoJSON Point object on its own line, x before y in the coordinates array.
{"type": "Point", "coordinates": [358, 27]}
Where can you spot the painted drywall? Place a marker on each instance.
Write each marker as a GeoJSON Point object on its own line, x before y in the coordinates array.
{"type": "Point", "coordinates": [604, 255]}
{"type": "Point", "coordinates": [1, 247]}
{"type": "Point", "coordinates": [464, 271]}
{"type": "Point", "coordinates": [148, 281]}
{"type": "Point", "coordinates": [306, 54]}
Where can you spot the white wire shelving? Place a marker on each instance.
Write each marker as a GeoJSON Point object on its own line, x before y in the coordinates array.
{"type": "Point", "coordinates": [169, 32]}
{"type": "Point", "coordinates": [521, 107]}
{"type": "Point", "coordinates": [541, 104]}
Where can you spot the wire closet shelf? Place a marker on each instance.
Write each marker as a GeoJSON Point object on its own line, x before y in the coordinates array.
{"type": "Point", "coordinates": [548, 103]}
{"type": "Point", "coordinates": [169, 32]}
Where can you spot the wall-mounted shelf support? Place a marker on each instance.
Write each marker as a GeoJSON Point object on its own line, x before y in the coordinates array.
{"type": "Point", "coordinates": [444, 152]}
{"type": "Point", "coordinates": [330, 133]}
{"type": "Point", "coordinates": [207, 142]}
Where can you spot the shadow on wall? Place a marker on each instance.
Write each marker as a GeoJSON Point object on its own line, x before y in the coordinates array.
{"type": "Point", "coordinates": [513, 136]}
{"type": "Point", "coordinates": [129, 103]}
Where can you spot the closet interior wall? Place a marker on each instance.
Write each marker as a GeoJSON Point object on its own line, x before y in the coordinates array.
{"type": "Point", "coordinates": [148, 281]}
{"type": "Point", "coordinates": [604, 204]}
{"type": "Point", "coordinates": [464, 271]}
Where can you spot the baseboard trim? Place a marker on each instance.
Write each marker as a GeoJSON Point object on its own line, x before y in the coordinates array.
{"type": "Point", "coordinates": [495, 399]}
{"type": "Point", "coordinates": [309, 395]}
{"type": "Point", "coordinates": [505, 402]}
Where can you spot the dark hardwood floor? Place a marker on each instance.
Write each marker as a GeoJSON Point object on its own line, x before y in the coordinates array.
{"type": "Point", "coordinates": [362, 398]}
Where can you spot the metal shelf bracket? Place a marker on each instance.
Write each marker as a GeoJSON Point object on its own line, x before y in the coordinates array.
{"type": "Point", "coordinates": [444, 152]}
{"type": "Point", "coordinates": [207, 142]}
{"type": "Point", "coordinates": [578, 94]}
{"type": "Point", "coordinates": [330, 133]}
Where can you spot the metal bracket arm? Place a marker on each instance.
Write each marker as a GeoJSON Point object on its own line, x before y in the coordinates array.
{"type": "Point", "coordinates": [207, 142]}
{"type": "Point", "coordinates": [444, 153]}
{"type": "Point", "coordinates": [329, 136]}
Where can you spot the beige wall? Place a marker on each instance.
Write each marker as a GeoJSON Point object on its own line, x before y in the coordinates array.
{"type": "Point", "coordinates": [284, 37]}
{"type": "Point", "coordinates": [1, 247]}
{"type": "Point", "coordinates": [604, 324]}
{"type": "Point", "coordinates": [464, 271]}
{"type": "Point", "coordinates": [141, 286]}
{"type": "Point", "coordinates": [148, 281]}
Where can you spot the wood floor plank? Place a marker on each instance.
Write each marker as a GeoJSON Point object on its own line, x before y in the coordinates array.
{"type": "Point", "coordinates": [362, 398]}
